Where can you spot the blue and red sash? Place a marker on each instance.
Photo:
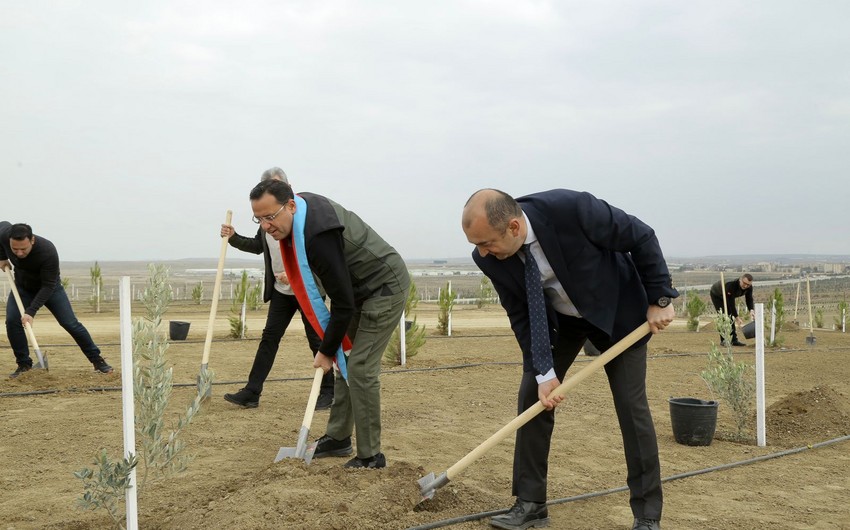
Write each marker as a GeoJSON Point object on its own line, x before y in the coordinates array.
{"type": "Point", "coordinates": [304, 285]}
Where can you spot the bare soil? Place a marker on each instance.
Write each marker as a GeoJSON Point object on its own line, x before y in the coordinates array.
{"type": "Point", "coordinates": [450, 397]}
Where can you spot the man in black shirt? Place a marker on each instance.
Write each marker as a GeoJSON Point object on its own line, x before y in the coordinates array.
{"type": "Point", "coordinates": [36, 263]}
{"type": "Point", "coordinates": [743, 286]}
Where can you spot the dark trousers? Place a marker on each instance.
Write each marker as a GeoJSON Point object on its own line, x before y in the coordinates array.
{"type": "Point", "coordinates": [282, 308]}
{"type": "Point", "coordinates": [627, 380]}
{"type": "Point", "coordinates": [733, 312]}
{"type": "Point", "coordinates": [59, 305]}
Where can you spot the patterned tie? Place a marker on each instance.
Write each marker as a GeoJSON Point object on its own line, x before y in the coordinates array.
{"type": "Point", "coordinates": [541, 354]}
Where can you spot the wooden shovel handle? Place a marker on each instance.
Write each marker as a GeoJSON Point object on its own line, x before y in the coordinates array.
{"type": "Point", "coordinates": [600, 361]}
{"type": "Point", "coordinates": [27, 327]}
{"type": "Point", "coordinates": [314, 396]}
{"type": "Point", "coordinates": [216, 292]}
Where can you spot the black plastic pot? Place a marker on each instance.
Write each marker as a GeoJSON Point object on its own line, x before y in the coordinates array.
{"type": "Point", "coordinates": [749, 330]}
{"type": "Point", "coordinates": [694, 420]}
{"type": "Point", "coordinates": [178, 330]}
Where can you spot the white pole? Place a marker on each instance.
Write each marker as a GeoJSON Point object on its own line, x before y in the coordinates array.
{"type": "Point", "coordinates": [402, 337]}
{"type": "Point", "coordinates": [773, 322]}
{"type": "Point", "coordinates": [844, 320]}
{"type": "Point", "coordinates": [244, 303]}
{"type": "Point", "coordinates": [450, 311]}
{"type": "Point", "coordinates": [127, 398]}
{"type": "Point", "coordinates": [760, 423]}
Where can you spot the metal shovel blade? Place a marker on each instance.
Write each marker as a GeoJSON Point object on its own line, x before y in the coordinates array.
{"type": "Point", "coordinates": [301, 450]}
{"type": "Point", "coordinates": [429, 484]}
{"type": "Point", "coordinates": [810, 340]}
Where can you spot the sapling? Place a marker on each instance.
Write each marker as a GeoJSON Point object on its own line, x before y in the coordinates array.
{"type": "Point", "coordinates": [162, 450]}
{"type": "Point", "coordinates": [446, 303]}
{"type": "Point", "coordinates": [96, 287]}
{"type": "Point", "coordinates": [238, 326]}
{"type": "Point", "coordinates": [695, 306]}
{"type": "Point", "coordinates": [841, 319]}
{"type": "Point", "coordinates": [485, 293]}
{"type": "Point", "coordinates": [728, 380]}
{"type": "Point", "coordinates": [414, 338]}
{"type": "Point", "coordinates": [198, 293]}
{"type": "Point", "coordinates": [254, 297]}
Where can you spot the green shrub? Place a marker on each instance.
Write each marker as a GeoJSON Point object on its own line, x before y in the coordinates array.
{"type": "Point", "coordinates": [198, 293]}
{"type": "Point", "coordinates": [695, 306]}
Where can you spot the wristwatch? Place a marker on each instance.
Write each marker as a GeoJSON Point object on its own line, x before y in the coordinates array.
{"type": "Point", "coordinates": [664, 301]}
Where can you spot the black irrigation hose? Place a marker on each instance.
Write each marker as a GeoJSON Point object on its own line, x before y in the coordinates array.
{"type": "Point", "coordinates": [383, 372]}
{"type": "Point", "coordinates": [755, 460]}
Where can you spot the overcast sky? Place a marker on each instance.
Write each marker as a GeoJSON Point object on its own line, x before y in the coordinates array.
{"type": "Point", "coordinates": [127, 129]}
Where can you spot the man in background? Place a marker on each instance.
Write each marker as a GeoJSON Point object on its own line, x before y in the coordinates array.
{"type": "Point", "coordinates": [36, 264]}
{"type": "Point", "coordinates": [282, 307]}
{"type": "Point", "coordinates": [743, 286]}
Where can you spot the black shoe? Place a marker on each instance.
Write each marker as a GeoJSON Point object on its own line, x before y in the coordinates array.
{"type": "Point", "coordinates": [325, 401]}
{"type": "Point", "coordinates": [327, 446]}
{"type": "Point", "coordinates": [738, 343]}
{"type": "Point", "coordinates": [373, 462]}
{"type": "Point", "coordinates": [247, 399]}
{"type": "Point", "coordinates": [100, 365]}
{"type": "Point", "coordinates": [722, 342]}
{"type": "Point", "coordinates": [523, 515]}
{"type": "Point", "coordinates": [21, 369]}
{"type": "Point", "coordinates": [646, 524]}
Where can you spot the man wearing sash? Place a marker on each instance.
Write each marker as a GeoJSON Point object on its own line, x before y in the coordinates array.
{"type": "Point", "coordinates": [282, 307]}
{"type": "Point", "coordinates": [367, 284]}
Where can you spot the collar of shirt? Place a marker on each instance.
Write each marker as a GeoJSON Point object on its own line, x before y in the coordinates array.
{"type": "Point", "coordinates": [552, 287]}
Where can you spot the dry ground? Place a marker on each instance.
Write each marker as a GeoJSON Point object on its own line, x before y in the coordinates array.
{"type": "Point", "coordinates": [453, 395]}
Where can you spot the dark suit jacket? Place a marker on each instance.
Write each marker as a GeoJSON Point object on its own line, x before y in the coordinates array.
{"type": "Point", "coordinates": [609, 263]}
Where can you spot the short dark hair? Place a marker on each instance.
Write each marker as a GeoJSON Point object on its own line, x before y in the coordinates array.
{"type": "Point", "coordinates": [501, 209]}
{"type": "Point", "coordinates": [281, 191]}
{"type": "Point", "coordinates": [20, 231]}
{"type": "Point", "coordinates": [748, 276]}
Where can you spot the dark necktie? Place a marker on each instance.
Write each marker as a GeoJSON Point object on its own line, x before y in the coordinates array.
{"type": "Point", "coordinates": [541, 354]}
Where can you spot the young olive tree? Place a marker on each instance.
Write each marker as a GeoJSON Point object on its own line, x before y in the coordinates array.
{"type": "Point", "coordinates": [163, 452]}
{"type": "Point", "coordinates": [730, 381]}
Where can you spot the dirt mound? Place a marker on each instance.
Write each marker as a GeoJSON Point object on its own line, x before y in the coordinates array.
{"type": "Point", "coordinates": [809, 416]}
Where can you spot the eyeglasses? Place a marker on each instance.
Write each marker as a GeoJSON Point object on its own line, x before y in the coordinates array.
{"type": "Point", "coordinates": [267, 218]}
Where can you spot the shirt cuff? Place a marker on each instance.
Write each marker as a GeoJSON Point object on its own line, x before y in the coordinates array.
{"type": "Point", "coordinates": [548, 376]}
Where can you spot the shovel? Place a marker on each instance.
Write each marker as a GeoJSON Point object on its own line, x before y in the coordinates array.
{"type": "Point", "coordinates": [204, 390]}
{"type": "Point", "coordinates": [429, 483]}
{"type": "Point", "coordinates": [301, 450]}
{"type": "Point", "coordinates": [42, 358]}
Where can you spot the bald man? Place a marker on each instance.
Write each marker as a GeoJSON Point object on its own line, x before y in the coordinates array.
{"type": "Point", "coordinates": [602, 275]}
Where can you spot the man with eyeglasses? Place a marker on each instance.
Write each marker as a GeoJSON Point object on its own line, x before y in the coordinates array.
{"type": "Point", "coordinates": [743, 286]}
{"type": "Point", "coordinates": [367, 283]}
{"type": "Point", "coordinates": [37, 279]}
{"type": "Point", "coordinates": [282, 307]}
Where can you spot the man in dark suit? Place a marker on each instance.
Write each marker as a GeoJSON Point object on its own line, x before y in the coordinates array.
{"type": "Point", "coordinates": [603, 275]}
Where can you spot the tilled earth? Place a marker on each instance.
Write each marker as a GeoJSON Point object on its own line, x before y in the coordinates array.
{"type": "Point", "coordinates": [450, 397]}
